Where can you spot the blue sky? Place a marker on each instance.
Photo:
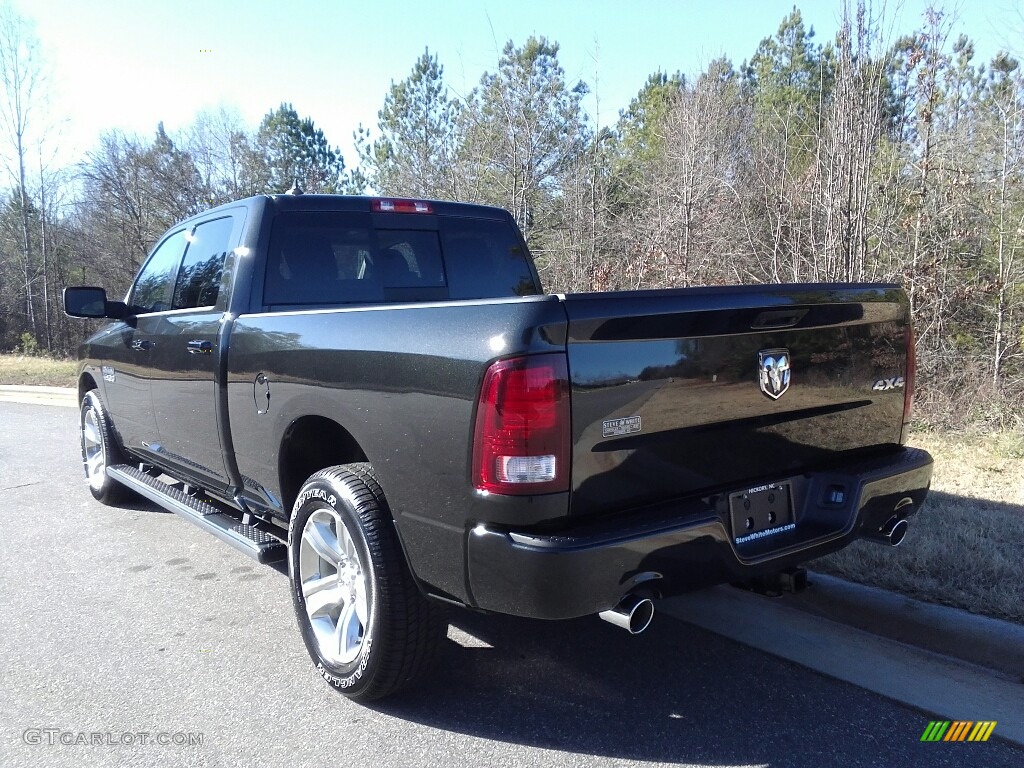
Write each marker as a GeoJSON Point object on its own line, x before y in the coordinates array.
{"type": "Point", "coordinates": [131, 63]}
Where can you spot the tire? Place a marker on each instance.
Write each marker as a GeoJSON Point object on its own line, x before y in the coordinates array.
{"type": "Point", "coordinates": [366, 626]}
{"type": "Point", "coordinates": [99, 451]}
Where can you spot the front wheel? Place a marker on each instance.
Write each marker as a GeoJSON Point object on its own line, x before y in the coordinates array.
{"type": "Point", "coordinates": [365, 623]}
{"type": "Point", "coordinates": [99, 451]}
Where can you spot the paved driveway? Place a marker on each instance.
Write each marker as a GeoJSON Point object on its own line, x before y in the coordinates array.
{"type": "Point", "coordinates": [131, 621]}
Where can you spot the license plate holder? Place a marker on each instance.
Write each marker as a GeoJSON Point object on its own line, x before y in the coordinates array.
{"type": "Point", "coordinates": [762, 511]}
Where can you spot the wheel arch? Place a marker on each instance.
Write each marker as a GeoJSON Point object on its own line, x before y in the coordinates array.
{"type": "Point", "coordinates": [86, 383]}
{"type": "Point", "coordinates": [309, 444]}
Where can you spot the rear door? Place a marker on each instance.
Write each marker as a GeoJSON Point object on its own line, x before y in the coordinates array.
{"type": "Point", "coordinates": [186, 355]}
{"type": "Point", "coordinates": [686, 392]}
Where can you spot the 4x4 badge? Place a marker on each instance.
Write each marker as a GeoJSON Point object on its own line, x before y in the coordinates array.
{"type": "Point", "coordinates": [773, 372]}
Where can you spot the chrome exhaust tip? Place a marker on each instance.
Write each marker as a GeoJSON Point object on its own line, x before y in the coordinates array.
{"type": "Point", "coordinates": [896, 527]}
{"type": "Point", "coordinates": [890, 534]}
{"type": "Point", "coordinates": [895, 531]}
{"type": "Point", "coordinates": [633, 614]}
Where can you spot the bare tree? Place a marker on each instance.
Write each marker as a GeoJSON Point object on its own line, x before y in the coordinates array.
{"type": "Point", "coordinates": [692, 204]}
{"type": "Point", "coordinates": [22, 80]}
{"type": "Point", "coordinates": [216, 140]}
{"type": "Point", "coordinates": [848, 138]}
{"type": "Point", "coordinates": [1005, 108]}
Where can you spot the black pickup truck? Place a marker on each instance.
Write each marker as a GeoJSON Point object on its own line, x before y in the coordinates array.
{"type": "Point", "coordinates": [379, 391]}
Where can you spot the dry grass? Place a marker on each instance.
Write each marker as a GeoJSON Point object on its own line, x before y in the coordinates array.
{"type": "Point", "coordinates": [44, 371]}
{"type": "Point", "coordinates": [965, 546]}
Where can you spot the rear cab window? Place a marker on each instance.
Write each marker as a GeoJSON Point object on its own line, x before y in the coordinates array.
{"type": "Point", "coordinates": [485, 259]}
{"type": "Point", "coordinates": [333, 257]}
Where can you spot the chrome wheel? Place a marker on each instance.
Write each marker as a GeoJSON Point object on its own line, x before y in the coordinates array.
{"type": "Point", "coordinates": [99, 451]}
{"type": "Point", "coordinates": [334, 589]}
{"type": "Point", "coordinates": [94, 454]}
{"type": "Point", "coordinates": [368, 628]}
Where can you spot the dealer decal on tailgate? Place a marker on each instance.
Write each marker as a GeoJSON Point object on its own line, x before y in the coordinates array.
{"type": "Point", "coordinates": [619, 427]}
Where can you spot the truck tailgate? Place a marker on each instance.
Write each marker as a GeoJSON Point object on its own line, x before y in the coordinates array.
{"type": "Point", "coordinates": [697, 391]}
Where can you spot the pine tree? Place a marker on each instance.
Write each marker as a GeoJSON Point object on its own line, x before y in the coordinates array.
{"type": "Point", "coordinates": [291, 150]}
{"type": "Point", "coordinates": [414, 156]}
{"type": "Point", "coordinates": [523, 129]}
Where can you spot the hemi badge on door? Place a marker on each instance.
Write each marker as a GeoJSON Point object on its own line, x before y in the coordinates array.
{"type": "Point", "coordinates": [619, 427]}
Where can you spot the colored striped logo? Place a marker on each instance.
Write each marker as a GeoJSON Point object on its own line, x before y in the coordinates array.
{"type": "Point", "coordinates": [958, 730]}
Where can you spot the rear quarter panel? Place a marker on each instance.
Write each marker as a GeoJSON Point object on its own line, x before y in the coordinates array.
{"type": "Point", "coordinates": [403, 381]}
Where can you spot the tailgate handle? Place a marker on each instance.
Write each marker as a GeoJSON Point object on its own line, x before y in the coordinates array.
{"type": "Point", "coordinates": [778, 318]}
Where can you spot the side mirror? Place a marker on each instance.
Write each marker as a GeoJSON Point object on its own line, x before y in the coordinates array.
{"type": "Point", "coordinates": [92, 302]}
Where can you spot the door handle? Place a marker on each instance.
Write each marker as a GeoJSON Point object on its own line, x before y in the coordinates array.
{"type": "Point", "coordinates": [200, 347]}
{"type": "Point", "coordinates": [141, 345]}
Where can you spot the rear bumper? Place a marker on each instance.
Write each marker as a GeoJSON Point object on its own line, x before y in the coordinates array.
{"type": "Point", "coordinates": [686, 545]}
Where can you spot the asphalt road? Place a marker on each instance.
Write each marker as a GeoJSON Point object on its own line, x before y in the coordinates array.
{"type": "Point", "coordinates": [132, 621]}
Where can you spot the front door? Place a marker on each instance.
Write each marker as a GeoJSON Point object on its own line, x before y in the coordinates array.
{"type": "Point", "coordinates": [128, 346]}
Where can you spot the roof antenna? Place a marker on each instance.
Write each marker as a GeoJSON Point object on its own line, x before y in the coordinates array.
{"type": "Point", "coordinates": [296, 189]}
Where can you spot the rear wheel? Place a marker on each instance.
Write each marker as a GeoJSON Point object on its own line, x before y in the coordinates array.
{"type": "Point", "coordinates": [99, 451]}
{"type": "Point", "coordinates": [365, 623]}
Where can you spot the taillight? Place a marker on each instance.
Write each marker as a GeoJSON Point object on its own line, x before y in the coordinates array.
{"type": "Point", "coordinates": [908, 389]}
{"type": "Point", "coordinates": [389, 205]}
{"type": "Point", "coordinates": [521, 441]}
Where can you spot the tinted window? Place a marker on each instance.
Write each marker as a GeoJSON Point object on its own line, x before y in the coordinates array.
{"type": "Point", "coordinates": [325, 257]}
{"type": "Point", "coordinates": [485, 259]}
{"type": "Point", "coordinates": [199, 278]}
{"type": "Point", "coordinates": [154, 287]}
{"type": "Point", "coordinates": [321, 257]}
{"type": "Point", "coordinates": [409, 259]}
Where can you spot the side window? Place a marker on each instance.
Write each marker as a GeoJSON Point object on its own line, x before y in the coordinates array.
{"type": "Point", "coordinates": [199, 277]}
{"type": "Point", "coordinates": [154, 287]}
